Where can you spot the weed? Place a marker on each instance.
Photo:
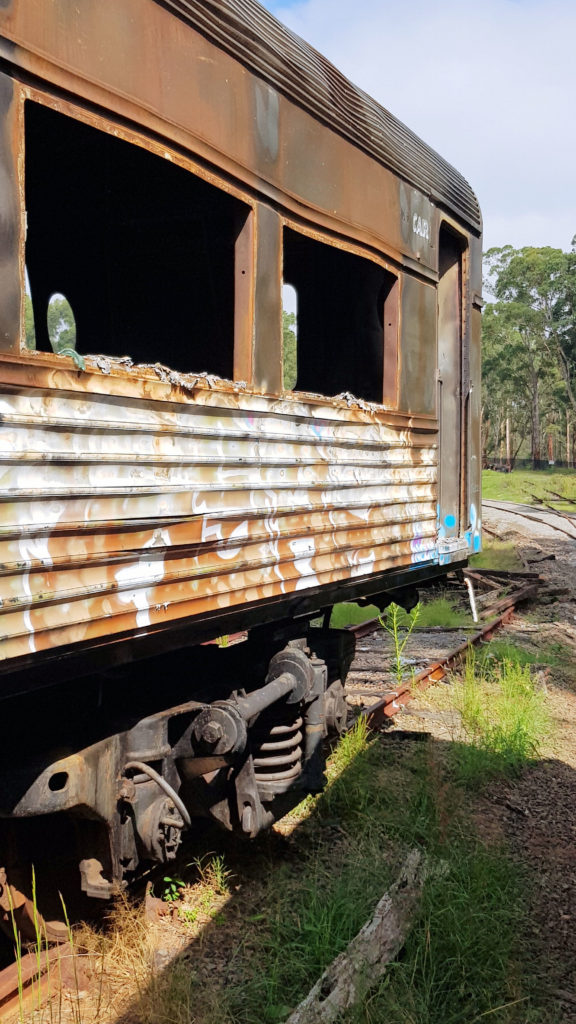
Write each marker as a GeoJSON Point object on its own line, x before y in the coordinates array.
{"type": "Point", "coordinates": [18, 955]}
{"type": "Point", "coordinates": [391, 622]}
{"type": "Point", "coordinates": [173, 888]}
{"type": "Point", "coordinates": [503, 717]}
{"type": "Point", "coordinates": [213, 872]}
{"type": "Point", "coordinates": [352, 743]}
{"type": "Point", "coordinates": [189, 915]}
{"type": "Point", "coordinates": [76, 1004]}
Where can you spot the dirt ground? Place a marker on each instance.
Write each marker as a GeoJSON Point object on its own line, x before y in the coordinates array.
{"type": "Point", "coordinates": [536, 814]}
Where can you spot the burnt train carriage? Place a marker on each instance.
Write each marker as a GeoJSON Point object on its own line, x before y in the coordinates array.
{"type": "Point", "coordinates": [169, 166]}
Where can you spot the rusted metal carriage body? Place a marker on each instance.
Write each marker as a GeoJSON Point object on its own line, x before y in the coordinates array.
{"type": "Point", "coordinates": [169, 165]}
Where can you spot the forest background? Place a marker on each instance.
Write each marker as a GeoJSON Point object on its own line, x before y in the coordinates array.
{"type": "Point", "coordinates": [529, 356]}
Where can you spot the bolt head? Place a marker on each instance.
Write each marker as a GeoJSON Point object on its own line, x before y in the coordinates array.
{"type": "Point", "coordinates": [212, 732]}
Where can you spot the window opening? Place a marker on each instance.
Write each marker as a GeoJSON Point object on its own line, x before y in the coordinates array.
{"type": "Point", "coordinates": [452, 443]}
{"type": "Point", "coordinates": [142, 249]}
{"type": "Point", "coordinates": [61, 324]}
{"type": "Point", "coordinates": [29, 325]}
{"type": "Point", "coordinates": [341, 301]}
{"type": "Point", "coordinates": [289, 337]}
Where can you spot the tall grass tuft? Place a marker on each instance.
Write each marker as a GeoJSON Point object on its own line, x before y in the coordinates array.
{"type": "Point", "coordinates": [504, 719]}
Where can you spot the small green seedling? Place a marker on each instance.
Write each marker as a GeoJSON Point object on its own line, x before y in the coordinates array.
{"type": "Point", "coordinates": [173, 887]}
{"type": "Point", "coordinates": [188, 914]}
{"type": "Point", "coordinates": [391, 622]}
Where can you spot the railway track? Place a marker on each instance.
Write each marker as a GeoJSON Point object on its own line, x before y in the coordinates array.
{"type": "Point", "coordinates": [372, 685]}
{"type": "Point", "coordinates": [430, 652]}
{"type": "Point", "coordinates": [547, 517]}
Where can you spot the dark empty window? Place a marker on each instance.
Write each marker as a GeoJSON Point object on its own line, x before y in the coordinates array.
{"type": "Point", "coordinates": [142, 249]}
{"type": "Point", "coordinates": [341, 300]}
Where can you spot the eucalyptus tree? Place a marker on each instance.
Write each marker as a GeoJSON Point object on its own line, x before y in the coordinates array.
{"type": "Point", "coordinates": [530, 333]}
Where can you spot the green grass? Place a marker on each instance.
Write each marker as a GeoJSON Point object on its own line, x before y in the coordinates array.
{"type": "Point", "coordinates": [462, 959]}
{"type": "Point", "coordinates": [554, 654]}
{"type": "Point", "coordinates": [456, 967]}
{"type": "Point", "coordinates": [313, 912]}
{"type": "Point", "coordinates": [504, 719]}
{"type": "Point", "coordinates": [462, 962]}
{"type": "Point", "coordinates": [497, 554]}
{"type": "Point", "coordinates": [439, 611]}
{"type": "Point", "coordinates": [521, 484]}
{"type": "Point", "coordinates": [350, 614]}
{"type": "Point", "coordinates": [443, 611]}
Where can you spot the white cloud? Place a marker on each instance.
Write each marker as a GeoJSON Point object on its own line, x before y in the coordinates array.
{"type": "Point", "coordinates": [491, 86]}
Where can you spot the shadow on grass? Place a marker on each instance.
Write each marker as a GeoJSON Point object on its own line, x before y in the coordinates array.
{"type": "Point", "coordinates": [296, 899]}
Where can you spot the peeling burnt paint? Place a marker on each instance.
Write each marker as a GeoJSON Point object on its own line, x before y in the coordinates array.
{"type": "Point", "coordinates": [242, 76]}
{"type": "Point", "coordinates": [9, 226]}
{"type": "Point", "coordinates": [135, 497]}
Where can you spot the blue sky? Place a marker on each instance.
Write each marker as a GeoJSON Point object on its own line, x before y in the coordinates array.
{"type": "Point", "coordinates": [490, 85]}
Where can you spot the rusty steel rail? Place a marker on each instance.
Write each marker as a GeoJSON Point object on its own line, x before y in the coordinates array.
{"type": "Point", "coordinates": [31, 979]}
{"type": "Point", "coordinates": [393, 700]}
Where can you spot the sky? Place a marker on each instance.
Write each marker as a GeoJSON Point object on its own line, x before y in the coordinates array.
{"type": "Point", "coordinates": [489, 84]}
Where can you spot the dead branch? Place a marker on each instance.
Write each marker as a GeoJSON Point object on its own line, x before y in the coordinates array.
{"type": "Point", "coordinates": [369, 953]}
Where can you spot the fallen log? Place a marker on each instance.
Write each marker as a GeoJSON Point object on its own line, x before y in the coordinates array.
{"type": "Point", "coordinates": [365, 960]}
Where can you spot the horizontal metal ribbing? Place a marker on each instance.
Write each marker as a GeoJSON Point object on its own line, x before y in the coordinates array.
{"type": "Point", "coordinates": [158, 522]}
{"type": "Point", "coordinates": [190, 423]}
{"type": "Point", "coordinates": [176, 565]}
{"type": "Point", "coordinates": [25, 560]}
{"type": "Point", "coordinates": [255, 38]}
{"type": "Point", "coordinates": [162, 600]}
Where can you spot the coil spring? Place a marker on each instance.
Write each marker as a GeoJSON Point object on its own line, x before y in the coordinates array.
{"type": "Point", "coordinates": [278, 752]}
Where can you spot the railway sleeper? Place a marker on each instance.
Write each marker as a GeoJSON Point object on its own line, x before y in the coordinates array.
{"type": "Point", "coordinates": [124, 802]}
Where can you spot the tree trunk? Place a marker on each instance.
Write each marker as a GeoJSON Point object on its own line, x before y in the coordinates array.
{"type": "Point", "coordinates": [536, 443]}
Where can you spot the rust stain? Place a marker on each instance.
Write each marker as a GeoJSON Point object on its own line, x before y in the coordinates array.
{"type": "Point", "coordinates": [135, 498]}
{"type": "Point", "coordinates": [285, 93]}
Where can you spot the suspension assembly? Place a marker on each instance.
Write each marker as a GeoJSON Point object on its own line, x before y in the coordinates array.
{"type": "Point", "coordinates": [240, 760]}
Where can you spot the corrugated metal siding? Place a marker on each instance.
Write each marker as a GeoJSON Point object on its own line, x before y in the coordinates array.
{"type": "Point", "coordinates": [123, 513]}
{"type": "Point", "coordinates": [254, 37]}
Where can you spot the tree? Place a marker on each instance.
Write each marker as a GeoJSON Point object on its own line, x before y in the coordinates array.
{"type": "Point", "coordinates": [289, 350]}
{"type": "Point", "coordinates": [530, 334]}
{"type": "Point", "coordinates": [29, 325]}
{"type": "Point", "coordinates": [61, 324]}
